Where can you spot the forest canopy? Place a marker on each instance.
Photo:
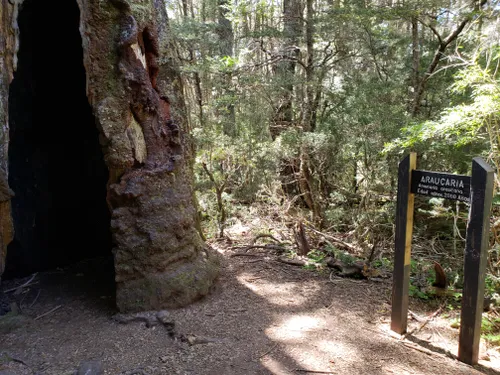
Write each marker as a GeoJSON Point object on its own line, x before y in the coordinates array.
{"type": "Point", "coordinates": [312, 103]}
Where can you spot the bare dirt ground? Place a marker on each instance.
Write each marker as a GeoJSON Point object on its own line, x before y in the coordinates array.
{"type": "Point", "coordinates": [263, 317]}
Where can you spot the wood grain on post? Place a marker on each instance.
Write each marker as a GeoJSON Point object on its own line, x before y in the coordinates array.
{"type": "Point", "coordinates": [476, 254]}
{"type": "Point", "coordinates": [404, 230]}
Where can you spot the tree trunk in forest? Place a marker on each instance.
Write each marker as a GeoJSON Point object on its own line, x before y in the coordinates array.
{"type": "Point", "coordinates": [439, 53]}
{"type": "Point", "coordinates": [8, 46]}
{"type": "Point", "coordinates": [284, 74]}
{"type": "Point", "coordinates": [415, 51]}
{"type": "Point", "coordinates": [285, 71]}
{"type": "Point", "coordinates": [308, 111]}
{"type": "Point", "coordinates": [198, 92]}
{"type": "Point", "coordinates": [136, 97]}
{"type": "Point", "coordinates": [306, 183]}
{"type": "Point", "coordinates": [226, 43]}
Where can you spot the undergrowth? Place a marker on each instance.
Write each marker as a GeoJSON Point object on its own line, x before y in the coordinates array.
{"type": "Point", "coordinates": [368, 226]}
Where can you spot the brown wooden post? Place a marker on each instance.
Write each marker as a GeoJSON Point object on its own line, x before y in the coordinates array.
{"type": "Point", "coordinates": [476, 254]}
{"type": "Point", "coordinates": [404, 229]}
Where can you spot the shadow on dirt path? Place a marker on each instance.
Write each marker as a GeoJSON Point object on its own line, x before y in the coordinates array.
{"type": "Point", "coordinates": [262, 317]}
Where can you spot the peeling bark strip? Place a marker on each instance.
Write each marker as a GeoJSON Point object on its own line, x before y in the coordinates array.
{"type": "Point", "coordinates": [136, 95]}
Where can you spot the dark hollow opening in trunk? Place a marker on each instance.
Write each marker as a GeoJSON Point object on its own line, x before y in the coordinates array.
{"type": "Point", "coordinates": [56, 166]}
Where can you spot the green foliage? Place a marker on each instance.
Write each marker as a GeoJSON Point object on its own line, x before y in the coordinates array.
{"type": "Point", "coordinates": [414, 291]}
{"type": "Point", "coordinates": [382, 263]}
{"type": "Point", "coordinates": [316, 256]}
{"type": "Point", "coordinates": [345, 257]}
{"type": "Point", "coordinates": [290, 112]}
{"type": "Point", "coordinates": [490, 329]}
{"type": "Point", "coordinates": [421, 279]}
{"type": "Point", "coordinates": [467, 128]}
{"type": "Point", "coordinates": [492, 285]}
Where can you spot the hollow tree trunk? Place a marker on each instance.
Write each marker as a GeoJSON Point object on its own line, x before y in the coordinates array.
{"type": "Point", "coordinates": [7, 46]}
{"type": "Point", "coordinates": [136, 96]}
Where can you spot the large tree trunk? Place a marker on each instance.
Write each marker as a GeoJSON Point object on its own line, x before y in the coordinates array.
{"type": "Point", "coordinates": [136, 97]}
{"type": "Point", "coordinates": [7, 46]}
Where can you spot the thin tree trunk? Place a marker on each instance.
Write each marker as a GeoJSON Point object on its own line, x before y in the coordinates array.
{"type": "Point", "coordinates": [415, 78]}
{"type": "Point", "coordinates": [308, 105]}
{"type": "Point", "coordinates": [305, 177]}
{"type": "Point", "coordinates": [285, 72]}
{"type": "Point", "coordinates": [226, 45]}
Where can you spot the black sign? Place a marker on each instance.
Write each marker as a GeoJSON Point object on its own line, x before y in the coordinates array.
{"type": "Point", "coordinates": [441, 185]}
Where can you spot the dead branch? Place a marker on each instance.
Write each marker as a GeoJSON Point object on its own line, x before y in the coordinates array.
{"type": "Point", "coordinates": [269, 351]}
{"type": "Point", "coordinates": [264, 235]}
{"type": "Point", "coordinates": [36, 298]}
{"type": "Point", "coordinates": [427, 351]}
{"type": "Point", "coordinates": [267, 247]}
{"type": "Point", "coordinates": [416, 317]}
{"type": "Point", "coordinates": [420, 349]}
{"type": "Point", "coordinates": [48, 312]}
{"type": "Point", "coordinates": [292, 262]}
{"type": "Point", "coordinates": [246, 255]}
{"type": "Point", "coordinates": [334, 239]}
{"type": "Point", "coordinates": [14, 359]}
{"type": "Point", "coordinates": [23, 285]}
{"type": "Point", "coordinates": [418, 329]}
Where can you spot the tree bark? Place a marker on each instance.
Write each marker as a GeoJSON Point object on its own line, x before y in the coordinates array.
{"type": "Point", "coordinates": [8, 44]}
{"type": "Point", "coordinates": [136, 96]}
{"type": "Point", "coordinates": [285, 72]}
{"type": "Point", "coordinates": [225, 32]}
{"type": "Point", "coordinates": [415, 49]}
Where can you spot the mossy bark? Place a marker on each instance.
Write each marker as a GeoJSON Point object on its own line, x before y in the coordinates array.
{"type": "Point", "coordinates": [136, 96]}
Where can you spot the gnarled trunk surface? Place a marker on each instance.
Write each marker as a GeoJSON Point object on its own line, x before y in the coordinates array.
{"type": "Point", "coordinates": [136, 97]}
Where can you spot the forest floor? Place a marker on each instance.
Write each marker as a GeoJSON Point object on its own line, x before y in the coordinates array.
{"type": "Point", "coordinates": [262, 317]}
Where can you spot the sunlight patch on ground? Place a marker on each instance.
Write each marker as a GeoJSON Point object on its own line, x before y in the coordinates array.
{"type": "Point", "coordinates": [295, 327]}
{"type": "Point", "coordinates": [336, 348]}
{"type": "Point", "coordinates": [274, 366]}
{"type": "Point", "coordinates": [278, 293]}
{"type": "Point", "coordinates": [305, 341]}
{"type": "Point", "coordinates": [238, 230]}
{"type": "Point", "coordinates": [336, 351]}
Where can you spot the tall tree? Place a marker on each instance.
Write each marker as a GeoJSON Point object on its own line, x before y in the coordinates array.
{"type": "Point", "coordinates": [286, 66]}
{"type": "Point", "coordinates": [226, 43]}
{"type": "Point", "coordinates": [443, 43]}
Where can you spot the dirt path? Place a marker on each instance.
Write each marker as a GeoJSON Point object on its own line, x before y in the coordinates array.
{"type": "Point", "coordinates": [263, 317]}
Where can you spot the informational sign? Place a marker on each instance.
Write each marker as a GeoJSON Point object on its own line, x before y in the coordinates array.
{"type": "Point", "coordinates": [478, 192]}
{"type": "Point", "coordinates": [441, 185]}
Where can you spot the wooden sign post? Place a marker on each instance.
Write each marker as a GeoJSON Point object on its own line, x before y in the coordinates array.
{"type": "Point", "coordinates": [402, 255]}
{"type": "Point", "coordinates": [478, 191]}
{"type": "Point", "coordinates": [476, 255]}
